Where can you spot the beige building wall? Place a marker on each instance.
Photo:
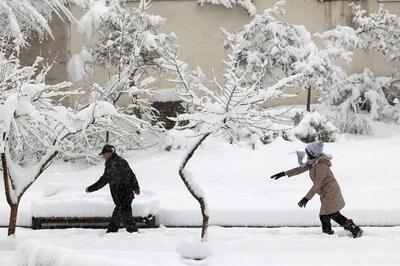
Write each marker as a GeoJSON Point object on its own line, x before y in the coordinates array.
{"type": "Point", "coordinates": [201, 42]}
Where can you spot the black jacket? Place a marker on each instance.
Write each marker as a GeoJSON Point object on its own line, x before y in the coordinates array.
{"type": "Point", "coordinates": [121, 179]}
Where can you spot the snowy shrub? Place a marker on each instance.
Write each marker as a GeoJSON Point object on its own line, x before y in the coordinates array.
{"type": "Point", "coordinates": [311, 127]}
{"type": "Point", "coordinates": [348, 122]}
{"type": "Point", "coordinates": [362, 95]}
{"type": "Point", "coordinates": [246, 4]}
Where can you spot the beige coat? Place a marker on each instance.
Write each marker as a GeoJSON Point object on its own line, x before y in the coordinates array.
{"type": "Point", "coordinates": [325, 185]}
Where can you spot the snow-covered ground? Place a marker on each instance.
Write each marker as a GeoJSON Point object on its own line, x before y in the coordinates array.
{"type": "Point", "coordinates": [240, 192]}
{"type": "Point", "coordinates": [230, 246]}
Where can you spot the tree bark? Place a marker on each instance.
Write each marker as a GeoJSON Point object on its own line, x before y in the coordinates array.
{"type": "Point", "coordinates": [201, 200]}
{"type": "Point", "coordinates": [309, 99]}
{"type": "Point", "coordinates": [12, 224]}
{"type": "Point", "coordinates": [6, 179]}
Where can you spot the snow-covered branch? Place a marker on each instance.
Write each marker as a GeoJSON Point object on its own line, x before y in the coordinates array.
{"type": "Point", "coordinates": [20, 19]}
{"type": "Point", "coordinates": [246, 4]}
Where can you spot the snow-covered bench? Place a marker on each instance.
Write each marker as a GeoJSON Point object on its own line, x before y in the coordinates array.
{"type": "Point", "coordinates": [64, 206]}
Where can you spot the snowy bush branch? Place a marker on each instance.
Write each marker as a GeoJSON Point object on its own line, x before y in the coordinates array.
{"type": "Point", "coordinates": [246, 4]}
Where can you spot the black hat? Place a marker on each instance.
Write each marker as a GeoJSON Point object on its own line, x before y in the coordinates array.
{"type": "Point", "coordinates": [107, 148]}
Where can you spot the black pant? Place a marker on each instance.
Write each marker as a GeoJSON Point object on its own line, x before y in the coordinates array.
{"type": "Point", "coordinates": [122, 213]}
{"type": "Point", "coordinates": [326, 220]}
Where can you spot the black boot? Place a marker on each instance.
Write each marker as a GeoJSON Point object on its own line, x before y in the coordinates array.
{"type": "Point", "coordinates": [354, 229]}
{"type": "Point", "coordinates": [327, 229]}
{"type": "Point", "coordinates": [326, 224]}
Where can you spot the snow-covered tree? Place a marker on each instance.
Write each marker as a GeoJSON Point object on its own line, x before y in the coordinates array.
{"type": "Point", "coordinates": [35, 127]}
{"type": "Point", "coordinates": [246, 4]}
{"type": "Point", "coordinates": [264, 57]}
{"type": "Point", "coordinates": [30, 126]}
{"type": "Point", "coordinates": [381, 31]}
{"type": "Point", "coordinates": [361, 98]}
{"type": "Point", "coordinates": [22, 19]}
{"type": "Point", "coordinates": [274, 49]}
{"type": "Point", "coordinates": [131, 48]}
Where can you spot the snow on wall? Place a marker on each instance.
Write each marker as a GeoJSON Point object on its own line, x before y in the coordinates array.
{"type": "Point", "coordinates": [34, 253]}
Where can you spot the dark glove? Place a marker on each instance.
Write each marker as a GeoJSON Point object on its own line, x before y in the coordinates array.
{"type": "Point", "coordinates": [303, 202]}
{"type": "Point", "coordinates": [278, 175]}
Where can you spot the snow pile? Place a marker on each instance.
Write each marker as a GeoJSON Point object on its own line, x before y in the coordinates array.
{"type": "Point", "coordinates": [33, 253]}
{"type": "Point", "coordinates": [61, 200]}
{"type": "Point", "coordinates": [194, 250]}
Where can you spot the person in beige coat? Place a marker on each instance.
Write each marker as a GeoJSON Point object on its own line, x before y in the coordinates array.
{"type": "Point", "coordinates": [325, 185]}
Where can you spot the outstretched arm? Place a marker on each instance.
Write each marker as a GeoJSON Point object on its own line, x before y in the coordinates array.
{"type": "Point", "coordinates": [100, 183]}
{"type": "Point", "coordinates": [297, 170]}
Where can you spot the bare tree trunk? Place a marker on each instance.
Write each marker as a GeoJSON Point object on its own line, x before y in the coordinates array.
{"type": "Point", "coordinates": [200, 199]}
{"type": "Point", "coordinates": [6, 179]}
{"type": "Point", "coordinates": [12, 224]}
{"type": "Point", "coordinates": [309, 99]}
{"type": "Point", "coordinates": [13, 206]}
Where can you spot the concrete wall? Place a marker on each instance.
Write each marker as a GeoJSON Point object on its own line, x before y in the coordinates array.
{"type": "Point", "coordinates": [201, 41]}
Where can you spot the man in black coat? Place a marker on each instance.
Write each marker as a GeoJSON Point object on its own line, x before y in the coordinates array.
{"type": "Point", "coordinates": [123, 186]}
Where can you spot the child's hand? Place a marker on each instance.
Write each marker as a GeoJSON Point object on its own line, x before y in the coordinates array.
{"type": "Point", "coordinates": [278, 175]}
